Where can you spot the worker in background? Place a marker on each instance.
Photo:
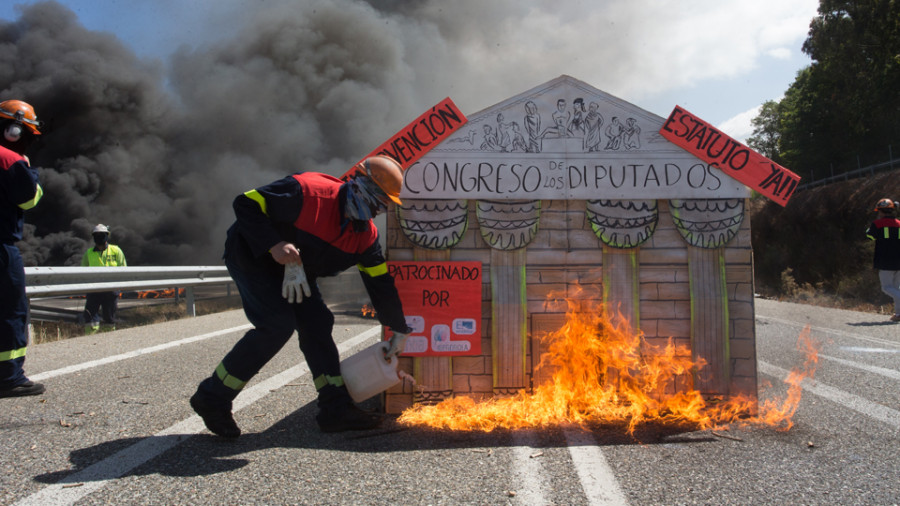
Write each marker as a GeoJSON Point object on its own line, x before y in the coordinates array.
{"type": "Point", "coordinates": [101, 306]}
{"type": "Point", "coordinates": [288, 234]}
{"type": "Point", "coordinates": [19, 191]}
{"type": "Point", "coordinates": [885, 231]}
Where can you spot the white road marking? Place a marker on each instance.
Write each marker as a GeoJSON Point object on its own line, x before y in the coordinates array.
{"type": "Point", "coordinates": [827, 330]}
{"type": "Point", "coordinates": [856, 403]}
{"type": "Point", "coordinates": [881, 371]}
{"type": "Point", "coordinates": [863, 349]}
{"type": "Point", "coordinates": [527, 471]}
{"type": "Point", "coordinates": [131, 354]}
{"type": "Point", "coordinates": [87, 481]}
{"type": "Point", "coordinates": [597, 478]}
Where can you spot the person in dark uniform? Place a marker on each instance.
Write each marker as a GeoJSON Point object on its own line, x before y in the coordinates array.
{"type": "Point", "coordinates": [885, 231]}
{"type": "Point", "coordinates": [19, 191]}
{"type": "Point", "coordinates": [289, 233]}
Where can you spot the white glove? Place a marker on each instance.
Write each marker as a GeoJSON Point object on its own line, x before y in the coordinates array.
{"type": "Point", "coordinates": [295, 285]}
{"type": "Point", "coordinates": [397, 342]}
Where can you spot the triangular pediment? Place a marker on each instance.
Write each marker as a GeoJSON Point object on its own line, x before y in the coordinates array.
{"type": "Point", "coordinates": [564, 139]}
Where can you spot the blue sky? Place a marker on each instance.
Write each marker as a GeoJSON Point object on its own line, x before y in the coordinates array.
{"type": "Point", "coordinates": [718, 59]}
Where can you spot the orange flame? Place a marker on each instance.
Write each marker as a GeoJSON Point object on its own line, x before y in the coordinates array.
{"type": "Point", "coordinates": [603, 372]}
{"type": "Point", "coordinates": [166, 293]}
{"type": "Point", "coordinates": [368, 311]}
{"type": "Point", "coordinates": [771, 413]}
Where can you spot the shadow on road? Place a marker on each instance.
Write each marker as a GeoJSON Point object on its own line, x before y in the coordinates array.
{"type": "Point", "coordinates": [206, 454]}
{"type": "Point", "coordinates": [873, 324]}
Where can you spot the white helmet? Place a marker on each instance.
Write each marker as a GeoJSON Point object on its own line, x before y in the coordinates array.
{"type": "Point", "coordinates": [100, 229]}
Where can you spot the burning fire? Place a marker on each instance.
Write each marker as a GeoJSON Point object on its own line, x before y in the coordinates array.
{"type": "Point", "coordinates": [166, 293]}
{"type": "Point", "coordinates": [368, 311]}
{"type": "Point", "coordinates": [603, 372]}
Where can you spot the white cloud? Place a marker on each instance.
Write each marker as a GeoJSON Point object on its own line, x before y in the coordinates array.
{"type": "Point", "coordinates": [634, 49]}
{"type": "Point", "coordinates": [739, 127]}
{"type": "Point", "coordinates": [780, 53]}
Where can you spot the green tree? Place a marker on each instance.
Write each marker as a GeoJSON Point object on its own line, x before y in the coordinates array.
{"type": "Point", "coordinates": [847, 102]}
{"type": "Point", "coordinates": [766, 137]}
{"type": "Point", "coordinates": [806, 127]}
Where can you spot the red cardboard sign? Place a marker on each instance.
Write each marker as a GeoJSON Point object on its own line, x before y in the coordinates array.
{"type": "Point", "coordinates": [424, 133]}
{"type": "Point", "coordinates": [442, 304]}
{"type": "Point", "coordinates": [735, 159]}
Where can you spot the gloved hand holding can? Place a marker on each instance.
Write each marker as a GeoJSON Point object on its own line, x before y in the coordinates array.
{"type": "Point", "coordinates": [397, 344]}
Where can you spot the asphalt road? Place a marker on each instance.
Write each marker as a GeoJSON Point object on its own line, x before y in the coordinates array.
{"type": "Point", "coordinates": [115, 428]}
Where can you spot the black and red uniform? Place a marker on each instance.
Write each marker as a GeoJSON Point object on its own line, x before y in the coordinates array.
{"type": "Point", "coordinates": [885, 231]}
{"type": "Point", "coordinates": [19, 191]}
{"type": "Point", "coordinates": [307, 210]}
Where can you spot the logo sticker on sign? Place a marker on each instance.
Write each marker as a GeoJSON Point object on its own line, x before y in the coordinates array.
{"type": "Point", "coordinates": [464, 326]}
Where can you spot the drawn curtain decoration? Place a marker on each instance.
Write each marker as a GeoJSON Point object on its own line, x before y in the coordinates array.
{"type": "Point", "coordinates": [623, 223]}
{"type": "Point", "coordinates": [707, 223]}
{"type": "Point", "coordinates": [508, 225]}
{"type": "Point", "coordinates": [434, 224]}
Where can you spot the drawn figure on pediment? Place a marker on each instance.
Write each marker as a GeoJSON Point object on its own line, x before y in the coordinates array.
{"type": "Point", "coordinates": [593, 123]}
{"type": "Point", "coordinates": [490, 139]}
{"type": "Point", "coordinates": [560, 126]}
{"type": "Point", "coordinates": [469, 138]}
{"type": "Point", "coordinates": [533, 127]}
{"type": "Point", "coordinates": [614, 133]}
{"type": "Point", "coordinates": [503, 138]}
{"type": "Point", "coordinates": [576, 125]}
{"type": "Point", "coordinates": [518, 140]}
{"type": "Point", "coordinates": [631, 137]}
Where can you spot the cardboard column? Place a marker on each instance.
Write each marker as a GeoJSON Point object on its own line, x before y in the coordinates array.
{"type": "Point", "coordinates": [709, 319]}
{"type": "Point", "coordinates": [622, 226]}
{"type": "Point", "coordinates": [620, 284]}
{"type": "Point", "coordinates": [508, 325]}
{"type": "Point", "coordinates": [508, 227]}
{"type": "Point", "coordinates": [707, 225]}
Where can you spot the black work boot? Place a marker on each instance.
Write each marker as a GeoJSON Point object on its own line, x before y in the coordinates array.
{"type": "Point", "coordinates": [337, 412]}
{"type": "Point", "coordinates": [346, 417]}
{"type": "Point", "coordinates": [216, 416]}
{"type": "Point", "coordinates": [23, 389]}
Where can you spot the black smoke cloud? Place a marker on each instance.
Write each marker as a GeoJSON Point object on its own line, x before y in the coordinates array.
{"type": "Point", "coordinates": [158, 150]}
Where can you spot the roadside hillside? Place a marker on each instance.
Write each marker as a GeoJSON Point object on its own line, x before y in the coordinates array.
{"type": "Point", "coordinates": [816, 246]}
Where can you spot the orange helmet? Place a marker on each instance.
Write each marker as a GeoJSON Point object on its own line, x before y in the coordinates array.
{"type": "Point", "coordinates": [884, 204]}
{"type": "Point", "coordinates": [21, 112]}
{"type": "Point", "coordinates": [386, 173]}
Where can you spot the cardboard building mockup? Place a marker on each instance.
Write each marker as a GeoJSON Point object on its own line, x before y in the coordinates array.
{"type": "Point", "coordinates": [564, 188]}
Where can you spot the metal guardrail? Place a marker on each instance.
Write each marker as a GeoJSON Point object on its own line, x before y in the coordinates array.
{"type": "Point", "coordinates": [853, 174]}
{"type": "Point", "coordinates": [344, 290]}
{"type": "Point", "coordinates": [868, 170]}
{"type": "Point", "coordinates": [53, 281]}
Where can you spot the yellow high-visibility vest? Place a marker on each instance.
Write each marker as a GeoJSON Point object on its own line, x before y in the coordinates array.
{"type": "Point", "coordinates": [112, 256]}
